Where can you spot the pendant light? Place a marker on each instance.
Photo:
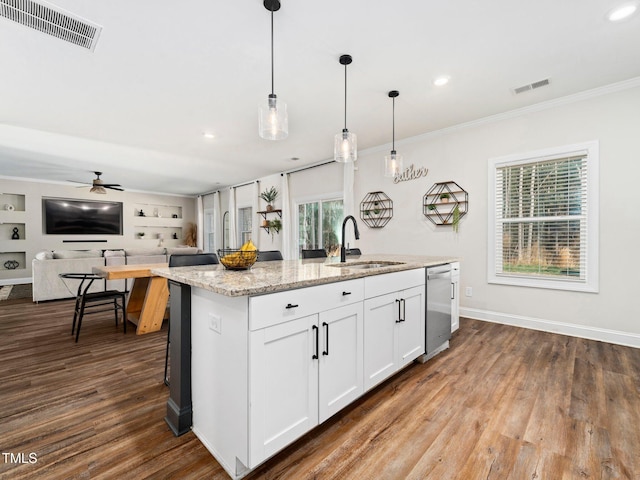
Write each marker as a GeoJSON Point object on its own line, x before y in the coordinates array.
{"type": "Point", "coordinates": [345, 147]}
{"type": "Point", "coordinates": [273, 122]}
{"type": "Point", "coordinates": [393, 161]}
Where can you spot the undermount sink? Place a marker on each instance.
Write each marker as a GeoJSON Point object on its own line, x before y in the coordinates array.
{"type": "Point", "coordinates": [366, 265]}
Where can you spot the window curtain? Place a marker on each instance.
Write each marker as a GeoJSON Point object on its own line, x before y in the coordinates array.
{"type": "Point", "coordinates": [200, 222]}
{"type": "Point", "coordinates": [255, 220]}
{"type": "Point", "coordinates": [289, 246]}
{"type": "Point", "coordinates": [233, 227]}
{"type": "Point", "coordinates": [348, 201]}
{"type": "Point", "coordinates": [217, 222]}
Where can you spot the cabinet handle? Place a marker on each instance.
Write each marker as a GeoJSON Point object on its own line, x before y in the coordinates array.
{"type": "Point", "coordinates": [453, 291]}
{"type": "Point", "coordinates": [325, 325]}
{"type": "Point", "coordinates": [315, 329]}
{"type": "Point", "coordinates": [289, 305]}
{"type": "Point", "coordinates": [399, 317]}
{"type": "Point", "coordinates": [344, 294]}
{"type": "Point", "coordinates": [404, 310]}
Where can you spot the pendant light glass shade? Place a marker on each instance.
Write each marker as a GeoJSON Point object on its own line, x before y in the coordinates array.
{"type": "Point", "coordinates": [273, 123]}
{"type": "Point", "coordinates": [345, 147]}
{"type": "Point", "coordinates": [392, 164]}
{"type": "Point", "coordinates": [393, 161]}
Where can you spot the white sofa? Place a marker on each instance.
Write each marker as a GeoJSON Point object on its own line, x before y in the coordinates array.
{"type": "Point", "coordinates": [47, 267]}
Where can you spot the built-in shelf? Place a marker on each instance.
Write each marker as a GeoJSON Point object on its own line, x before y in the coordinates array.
{"type": "Point", "coordinates": [152, 210]}
{"type": "Point", "coordinates": [12, 202]}
{"type": "Point", "coordinates": [19, 257]}
{"type": "Point", "coordinates": [8, 231]}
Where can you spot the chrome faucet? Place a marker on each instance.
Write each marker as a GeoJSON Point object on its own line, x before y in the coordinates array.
{"type": "Point", "coordinates": [343, 251]}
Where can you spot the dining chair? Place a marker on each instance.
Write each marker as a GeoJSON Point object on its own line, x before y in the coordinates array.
{"type": "Point", "coordinates": [314, 253]}
{"type": "Point", "coordinates": [185, 260]}
{"type": "Point", "coordinates": [269, 255]}
{"type": "Point", "coordinates": [353, 251]}
{"type": "Point", "coordinates": [88, 303]}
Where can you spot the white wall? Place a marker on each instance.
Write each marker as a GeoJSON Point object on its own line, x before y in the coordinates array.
{"type": "Point", "coordinates": [462, 155]}
{"type": "Point", "coordinates": [36, 241]}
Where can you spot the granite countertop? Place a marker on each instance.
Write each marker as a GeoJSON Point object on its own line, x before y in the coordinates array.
{"type": "Point", "coordinates": [276, 276]}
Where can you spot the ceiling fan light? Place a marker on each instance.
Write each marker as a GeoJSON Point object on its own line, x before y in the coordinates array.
{"type": "Point", "coordinates": [273, 121]}
{"type": "Point", "coordinates": [98, 189]}
{"type": "Point", "coordinates": [345, 147]}
{"type": "Point", "coordinates": [392, 164]}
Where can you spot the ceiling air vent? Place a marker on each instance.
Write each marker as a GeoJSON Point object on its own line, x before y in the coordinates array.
{"type": "Point", "coordinates": [532, 86]}
{"type": "Point", "coordinates": [52, 20]}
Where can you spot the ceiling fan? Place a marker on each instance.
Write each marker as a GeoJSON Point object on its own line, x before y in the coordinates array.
{"type": "Point", "coordinates": [98, 186]}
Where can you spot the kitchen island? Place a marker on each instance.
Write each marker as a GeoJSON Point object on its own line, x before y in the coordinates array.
{"type": "Point", "coordinates": [261, 356]}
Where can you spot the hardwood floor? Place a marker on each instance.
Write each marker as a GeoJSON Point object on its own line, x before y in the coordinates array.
{"type": "Point", "coordinates": [501, 403]}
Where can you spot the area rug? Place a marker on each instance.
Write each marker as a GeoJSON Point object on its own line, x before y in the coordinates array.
{"type": "Point", "coordinates": [13, 292]}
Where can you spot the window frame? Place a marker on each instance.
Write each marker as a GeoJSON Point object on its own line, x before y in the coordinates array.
{"type": "Point", "coordinates": [242, 234]}
{"type": "Point", "coordinates": [591, 280]}
{"type": "Point", "coordinates": [320, 199]}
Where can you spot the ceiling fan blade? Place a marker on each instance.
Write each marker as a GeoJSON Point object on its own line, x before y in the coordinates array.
{"type": "Point", "coordinates": [83, 183]}
{"type": "Point", "coordinates": [109, 184]}
{"type": "Point", "coordinates": [113, 188]}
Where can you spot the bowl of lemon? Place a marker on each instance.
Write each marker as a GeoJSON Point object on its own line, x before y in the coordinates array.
{"type": "Point", "coordinates": [239, 258]}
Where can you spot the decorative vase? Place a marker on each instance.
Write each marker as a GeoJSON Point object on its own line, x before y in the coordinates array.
{"type": "Point", "coordinates": [269, 208]}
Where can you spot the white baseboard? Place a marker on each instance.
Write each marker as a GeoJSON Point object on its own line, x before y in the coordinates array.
{"type": "Point", "coordinates": [571, 329]}
{"type": "Point", "coordinates": [15, 281]}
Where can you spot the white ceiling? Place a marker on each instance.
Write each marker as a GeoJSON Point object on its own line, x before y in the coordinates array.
{"type": "Point", "coordinates": [164, 72]}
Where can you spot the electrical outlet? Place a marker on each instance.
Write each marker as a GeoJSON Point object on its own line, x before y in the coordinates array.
{"type": "Point", "coordinates": [468, 291]}
{"type": "Point", "coordinates": [215, 323]}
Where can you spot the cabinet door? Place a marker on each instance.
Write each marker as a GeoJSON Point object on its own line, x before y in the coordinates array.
{"type": "Point", "coordinates": [455, 296]}
{"type": "Point", "coordinates": [283, 385]}
{"type": "Point", "coordinates": [340, 358]}
{"type": "Point", "coordinates": [381, 314]}
{"type": "Point", "coordinates": [411, 327]}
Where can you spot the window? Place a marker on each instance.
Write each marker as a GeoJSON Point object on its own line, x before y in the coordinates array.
{"type": "Point", "coordinates": [319, 226]}
{"type": "Point", "coordinates": [543, 229]}
{"type": "Point", "coordinates": [244, 225]}
{"type": "Point", "coordinates": [209, 232]}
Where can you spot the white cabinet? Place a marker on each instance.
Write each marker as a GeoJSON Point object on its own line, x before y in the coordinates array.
{"type": "Point", "coordinates": [283, 385]}
{"type": "Point", "coordinates": [455, 296]}
{"type": "Point", "coordinates": [267, 369]}
{"type": "Point", "coordinates": [393, 334]}
{"type": "Point", "coordinates": [301, 373]}
{"type": "Point", "coordinates": [340, 358]}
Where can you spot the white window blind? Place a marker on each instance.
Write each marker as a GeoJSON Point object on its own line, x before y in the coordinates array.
{"type": "Point", "coordinates": [542, 221]}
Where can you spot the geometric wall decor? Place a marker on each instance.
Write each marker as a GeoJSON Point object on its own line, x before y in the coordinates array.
{"type": "Point", "coordinates": [445, 203]}
{"type": "Point", "coordinates": [376, 209]}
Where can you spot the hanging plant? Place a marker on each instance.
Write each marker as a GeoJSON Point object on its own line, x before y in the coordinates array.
{"type": "Point", "coordinates": [455, 223]}
{"type": "Point", "coordinates": [274, 227]}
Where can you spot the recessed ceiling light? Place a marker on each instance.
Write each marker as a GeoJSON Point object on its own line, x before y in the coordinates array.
{"type": "Point", "coordinates": [208, 135]}
{"type": "Point", "coordinates": [441, 81]}
{"type": "Point", "coordinates": [295, 159]}
{"type": "Point", "coordinates": [622, 12]}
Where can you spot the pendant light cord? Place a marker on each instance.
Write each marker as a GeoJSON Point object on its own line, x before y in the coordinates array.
{"type": "Point", "coordinates": [272, 82]}
{"type": "Point", "coordinates": [393, 126]}
{"type": "Point", "coordinates": [345, 97]}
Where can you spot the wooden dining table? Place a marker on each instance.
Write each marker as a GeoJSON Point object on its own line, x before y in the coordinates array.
{"type": "Point", "coordinates": [147, 300]}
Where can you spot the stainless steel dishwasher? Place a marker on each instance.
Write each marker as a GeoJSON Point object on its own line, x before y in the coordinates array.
{"type": "Point", "coordinates": [438, 311]}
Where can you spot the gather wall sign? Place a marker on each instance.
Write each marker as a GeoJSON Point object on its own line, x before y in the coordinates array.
{"type": "Point", "coordinates": [411, 173]}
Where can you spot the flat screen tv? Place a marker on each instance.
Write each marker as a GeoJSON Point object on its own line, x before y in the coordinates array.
{"type": "Point", "coordinates": [65, 216]}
